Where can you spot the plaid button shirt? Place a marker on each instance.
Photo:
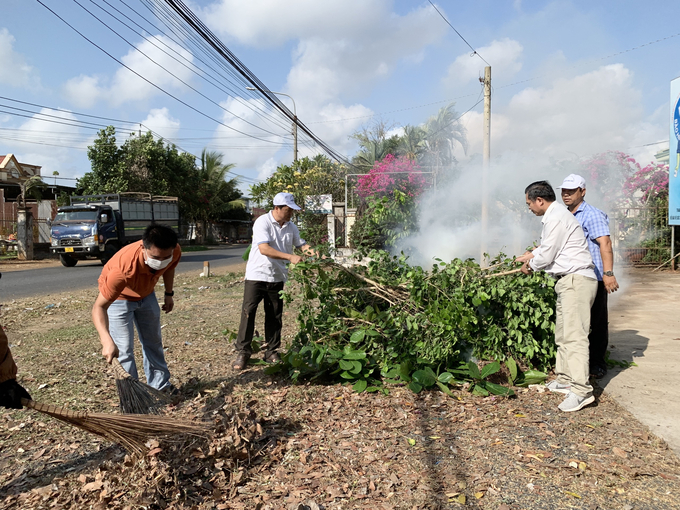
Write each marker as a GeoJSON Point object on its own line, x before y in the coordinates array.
{"type": "Point", "coordinates": [595, 223]}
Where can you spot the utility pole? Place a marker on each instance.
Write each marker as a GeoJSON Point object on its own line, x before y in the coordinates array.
{"type": "Point", "coordinates": [486, 160]}
{"type": "Point", "coordinates": [295, 138]}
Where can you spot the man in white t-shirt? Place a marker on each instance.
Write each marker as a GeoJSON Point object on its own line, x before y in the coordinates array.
{"type": "Point", "coordinates": [274, 238]}
{"type": "Point", "coordinates": [564, 255]}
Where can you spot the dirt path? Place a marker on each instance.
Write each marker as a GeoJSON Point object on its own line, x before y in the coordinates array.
{"type": "Point", "coordinates": [644, 327]}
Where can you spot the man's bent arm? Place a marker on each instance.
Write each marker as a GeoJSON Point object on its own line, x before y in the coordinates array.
{"type": "Point", "coordinates": [273, 253]}
{"type": "Point", "coordinates": [607, 254]}
{"type": "Point", "coordinates": [101, 323]}
{"type": "Point", "coordinates": [169, 280]}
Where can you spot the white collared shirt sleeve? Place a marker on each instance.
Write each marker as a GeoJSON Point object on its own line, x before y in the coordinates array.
{"type": "Point", "coordinates": [552, 242]}
{"type": "Point", "coordinates": [262, 232]}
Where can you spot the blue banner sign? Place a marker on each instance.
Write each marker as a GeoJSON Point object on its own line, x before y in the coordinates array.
{"type": "Point", "coordinates": [674, 157]}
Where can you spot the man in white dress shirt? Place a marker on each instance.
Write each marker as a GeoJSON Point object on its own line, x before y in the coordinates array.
{"type": "Point", "coordinates": [564, 255]}
{"type": "Point", "coordinates": [274, 238]}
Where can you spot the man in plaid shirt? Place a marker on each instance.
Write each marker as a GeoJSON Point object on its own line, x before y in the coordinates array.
{"type": "Point", "coordinates": [595, 224]}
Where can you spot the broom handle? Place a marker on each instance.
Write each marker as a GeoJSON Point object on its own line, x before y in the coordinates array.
{"type": "Point", "coordinates": [50, 409]}
{"type": "Point", "coordinates": [118, 369]}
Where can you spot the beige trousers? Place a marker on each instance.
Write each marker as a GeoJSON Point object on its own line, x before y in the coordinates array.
{"type": "Point", "coordinates": [575, 296]}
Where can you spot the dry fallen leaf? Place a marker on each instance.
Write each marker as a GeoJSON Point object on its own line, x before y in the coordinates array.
{"type": "Point", "coordinates": [619, 452]}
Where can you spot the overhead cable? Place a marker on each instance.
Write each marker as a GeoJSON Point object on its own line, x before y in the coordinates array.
{"type": "Point", "coordinates": [474, 51]}
{"type": "Point", "coordinates": [146, 79]}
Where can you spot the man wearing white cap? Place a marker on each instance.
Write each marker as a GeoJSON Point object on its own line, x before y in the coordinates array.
{"type": "Point", "coordinates": [595, 224]}
{"type": "Point", "coordinates": [274, 238]}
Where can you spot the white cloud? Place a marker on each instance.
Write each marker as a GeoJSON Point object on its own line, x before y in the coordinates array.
{"type": "Point", "coordinates": [269, 23]}
{"type": "Point", "coordinates": [267, 169]}
{"type": "Point", "coordinates": [343, 48]}
{"type": "Point", "coordinates": [504, 55]}
{"type": "Point", "coordinates": [48, 144]}
{"type": "Point", "coordinates": [15, 70]}
{"type": "Point", "coordinates": [328, 67]}
{"type": "Point", "coordinates": [125, 86]}
{"type": "Point", "coordinates": [594, 112]}
{"type": "Point", "coordinates": [160, 121]}
{"type": "Point", "coordinates": [83, 91]}
{"type": "Point", "coordinates": [236, 139]}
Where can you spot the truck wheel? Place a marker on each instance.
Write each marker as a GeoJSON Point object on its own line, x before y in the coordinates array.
{"type": "Point", "coordinates": [67, 260]}
{"type": "Point", "coordinates": [109, 251]}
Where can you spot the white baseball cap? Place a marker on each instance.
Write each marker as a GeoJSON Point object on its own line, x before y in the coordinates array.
{"type": "Point", "coordinates": [286, 199]}
{"type": "Point", "coordinates": [573, 181]}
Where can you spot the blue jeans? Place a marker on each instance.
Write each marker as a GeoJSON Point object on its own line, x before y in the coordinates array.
{"type": "Point", "coordinates": [146, 316]}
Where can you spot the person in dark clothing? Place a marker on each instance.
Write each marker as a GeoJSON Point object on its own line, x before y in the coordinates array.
{"type": "Point", "coordinates": [595, 224]}
{"type": "Point", "coordinates": [11, 392]}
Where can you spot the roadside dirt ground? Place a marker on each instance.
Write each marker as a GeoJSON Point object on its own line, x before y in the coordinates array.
{"type": "Point", "coordinates": [278, 445]}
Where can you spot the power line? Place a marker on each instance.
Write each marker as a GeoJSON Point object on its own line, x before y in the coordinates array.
{"type": "Point", "coordinates": [143, 78]}
{"type": "Point", "coordinates": [266, 115]}
{"type": "Point", "coordinates": [474, 51]}
{"type": "Point", "coordinates": [159, 65]}
{"type": "Point", "coordinates": [200, 28]}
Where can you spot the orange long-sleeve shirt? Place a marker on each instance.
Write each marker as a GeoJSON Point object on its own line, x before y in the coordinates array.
{"type": "Point", "coordinates": [8, 369]}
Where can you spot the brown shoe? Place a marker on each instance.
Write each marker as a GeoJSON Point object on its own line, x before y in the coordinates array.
{"type": "Point", "coordinates": [241, 361]}
{"type": "Point", "coordinates": [272, 357]}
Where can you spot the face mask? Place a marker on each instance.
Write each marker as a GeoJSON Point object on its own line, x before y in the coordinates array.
{"type": "Point", "coordinates": [156, 264]}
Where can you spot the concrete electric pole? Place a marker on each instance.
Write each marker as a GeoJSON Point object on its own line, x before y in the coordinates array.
{"type": "Point", "coordinates": [486, 160]}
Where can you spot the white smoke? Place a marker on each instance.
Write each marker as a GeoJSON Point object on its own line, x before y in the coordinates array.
{"type": "Point", "coordinates": [449, 217]}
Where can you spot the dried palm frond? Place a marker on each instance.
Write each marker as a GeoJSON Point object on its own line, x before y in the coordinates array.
{"type": "Point", "coordinates": [130, 431]}
{"type": "Point", "coordinates": [135, 396]}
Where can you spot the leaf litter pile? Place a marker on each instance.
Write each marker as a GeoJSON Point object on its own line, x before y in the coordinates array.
{"type": "Point", "coordinates": [276, 445]}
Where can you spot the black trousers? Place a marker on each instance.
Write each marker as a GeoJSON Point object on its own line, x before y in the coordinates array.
{"type": "Point", "coordinates": [599, 328]}
{"type": "Point", "coordinates": [253, 293]}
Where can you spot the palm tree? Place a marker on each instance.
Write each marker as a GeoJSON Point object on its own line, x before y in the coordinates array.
{"type": "Point", "coordinates": [412, 143]}
{"type": "Point", "coordinates": [442, 132]}
{"type": "Point", "coordinates": [32, 187]}
{"type": "Point", "coordinates": [375, 145]}
{"type": "Point", "coordinates": [219, 193]}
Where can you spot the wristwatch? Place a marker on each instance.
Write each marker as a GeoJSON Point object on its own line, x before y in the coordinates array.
{"type": "Point", "coordinates": [608, 273]}
{"type": "Point", "coordinates": [170, 294]}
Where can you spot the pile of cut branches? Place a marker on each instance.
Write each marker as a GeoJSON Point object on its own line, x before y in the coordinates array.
{"type": "Point", "coordinates": [390, 321]}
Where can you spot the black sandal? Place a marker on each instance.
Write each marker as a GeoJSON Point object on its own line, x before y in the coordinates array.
{"type": "Point", "coordinates": [241, 361]}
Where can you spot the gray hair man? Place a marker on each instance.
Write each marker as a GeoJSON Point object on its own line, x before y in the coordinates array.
{"type": "Point", "coordinates": [563, 254]}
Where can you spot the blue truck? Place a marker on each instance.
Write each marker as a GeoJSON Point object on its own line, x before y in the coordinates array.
{"type": "Point", "coordinates": [97, 226]}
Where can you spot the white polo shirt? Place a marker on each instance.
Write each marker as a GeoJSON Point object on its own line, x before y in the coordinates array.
{"type": "Point", "coordinates": [563, 248]}
{"type": "Point", "coordinates": [282, 238]}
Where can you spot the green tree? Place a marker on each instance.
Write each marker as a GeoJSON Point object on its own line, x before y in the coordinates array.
{"type": "Point", "coordinates": [374, 145]}
{"type": "Point", "coordinates": [306, 177]}
{"type": "Point", "coordinates": [219, 194]}
{"type": "Point", "coordinates": [143, 165]}
{"type": "Point", "coordinates": [31, 187]}
{"type": "Point", "coordinates": [442, 132]}
{"type": "Point", "coordinates": [413, 143]}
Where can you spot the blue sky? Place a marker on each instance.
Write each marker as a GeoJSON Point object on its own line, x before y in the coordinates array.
{"type": "Point", "coordinates": [562, 87]}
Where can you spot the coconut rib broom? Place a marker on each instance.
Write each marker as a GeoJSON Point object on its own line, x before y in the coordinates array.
{"type": "Point", "coordinates": [135, 396]}
{"type": "Point", "coordinates": [130, 431]}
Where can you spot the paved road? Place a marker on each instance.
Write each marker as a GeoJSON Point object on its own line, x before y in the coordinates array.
{"type": "Point", "coordinates": [59, 279]}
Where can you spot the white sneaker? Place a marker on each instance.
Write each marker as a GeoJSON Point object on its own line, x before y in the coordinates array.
{"type": "Point", "coordinates": [575, 403]}
{"type": "Point", "coordinates": [558, 388]}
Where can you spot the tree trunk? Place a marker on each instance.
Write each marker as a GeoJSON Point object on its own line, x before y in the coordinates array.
{"type": "Point", "coordinates": [24, 234]}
